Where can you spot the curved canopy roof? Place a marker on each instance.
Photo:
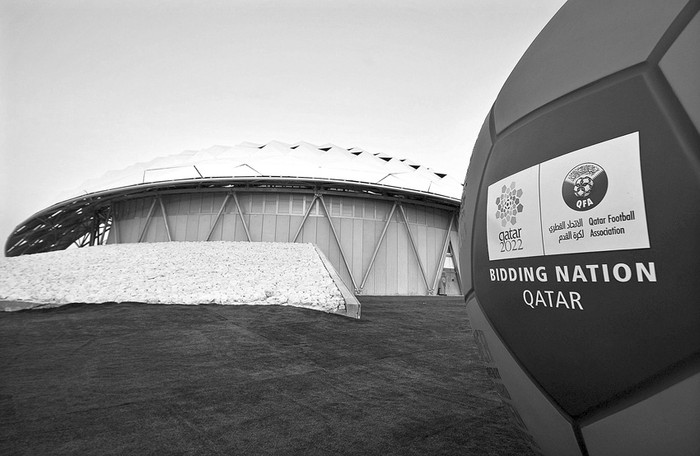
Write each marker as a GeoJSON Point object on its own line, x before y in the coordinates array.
{"type": "Point", "coordinates": [276, 159]}
{"type": "Point", "coordinates": [86, 212]}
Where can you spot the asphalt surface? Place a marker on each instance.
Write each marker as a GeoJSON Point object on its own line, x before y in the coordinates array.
{"type": "Point", "coordinates": [134, 378]}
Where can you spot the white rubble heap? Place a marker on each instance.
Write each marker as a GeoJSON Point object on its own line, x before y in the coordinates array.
{"type": "Point", "coordinates": [226, 273]}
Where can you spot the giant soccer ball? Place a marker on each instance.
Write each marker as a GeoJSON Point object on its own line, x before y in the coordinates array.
{"type": "Point", "coordinates": [586, 306]}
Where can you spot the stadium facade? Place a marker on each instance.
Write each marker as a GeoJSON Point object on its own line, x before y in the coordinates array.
{"type": "Point", "coordinates": [387, 225]}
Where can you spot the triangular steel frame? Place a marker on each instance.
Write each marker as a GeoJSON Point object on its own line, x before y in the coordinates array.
{"type": "Point", "coordinates": [318, 196]}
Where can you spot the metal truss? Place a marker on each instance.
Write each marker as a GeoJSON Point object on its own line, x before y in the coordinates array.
{"type": "Point", "coordinates": [415, 250]}
{"type": "Point", "coordinates": [221, 211]}
{"type": "Point", "coordinates": [148, 219]}
{"type": "Point", "coordinates": [306, 216]}
{"type": "Point", "coordinates": [376, 249]}
{"type": "Point", "coordinates": [447, 243]}
{"type": "Point", "coordinates": [98, 227]}
{"type": "Point", "coordinates": [443, 255]}
{"type": "Point", "coordinates": [218, 216]}
{"type": "Point", "coordinates": [159, 200]}
{"type": "Point", "coordinates": [337, 240]}
{"type": "Point", "coordinates": [63, 224]}
{"type": "Point", "coordinates": [318, 196]}
{"type": "Point", "coordinates": [92, 223]}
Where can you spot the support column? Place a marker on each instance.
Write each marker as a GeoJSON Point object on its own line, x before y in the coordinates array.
{"type": "Point", "coordinates": [456, 265]}
{"type": "Point", "coordinates": [218, 216]}
{"type": "Point", "coordinates": [94, 229]}
{"type": "Point", "coordinates": [441, 262]}
{"type": "Point", "coordinates": [376, 249]}
{"type": "Point", "coordinates": [165, 219]}
{"type": "Point", "coordinates": [148, 220]}
{"type": "Point", "coordinates": [337, 240]}
{"type": "Point", "coordinates": [308, 211]}
{"type": "Point", "coordinates": [240, 213]}
{"type": "Point", "coordinates": [415, 249]}
{"type": "Point", "coordinates": [114, 226]}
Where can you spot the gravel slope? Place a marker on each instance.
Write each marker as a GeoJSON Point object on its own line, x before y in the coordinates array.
{"type": "Point", "coordinates": [226, 273]}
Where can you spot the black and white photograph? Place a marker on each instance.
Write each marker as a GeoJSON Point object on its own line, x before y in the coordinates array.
{"type": "Point", "coordinates": [350, 227]}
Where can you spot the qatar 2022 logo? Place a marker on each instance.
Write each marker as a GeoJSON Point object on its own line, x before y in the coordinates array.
{"type": "Point", "coordinates": [585, 186]}
{"type": "Point", "coordinates": [509, 205]}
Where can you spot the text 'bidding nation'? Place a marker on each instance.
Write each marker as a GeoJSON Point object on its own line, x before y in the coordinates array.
{"type": "Point", "coordinates": [587, 273]}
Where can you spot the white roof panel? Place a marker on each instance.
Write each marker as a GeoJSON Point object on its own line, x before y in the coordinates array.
{"type": "Point", "coordinates": [302, 160]}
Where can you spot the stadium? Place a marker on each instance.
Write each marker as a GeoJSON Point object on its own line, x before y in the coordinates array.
{"type": "Point", "coordinates": [388, 226]}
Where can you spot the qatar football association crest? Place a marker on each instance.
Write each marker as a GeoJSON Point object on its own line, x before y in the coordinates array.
{"type": "Point", "coordinates": [585, 186]}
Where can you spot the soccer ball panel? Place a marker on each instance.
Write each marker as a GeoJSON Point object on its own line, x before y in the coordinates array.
{"type": "Point", "coordinates": [665, 423]}
{"type": "Point", "coordinates": [584, 42]}
{"type": "Point", "coordinates": [535, 414]}
{"type": "Point", "coordinates": [468, 206]}
{"type": "Point", "coordinates": [620, 338]}
{"type": "Point", "coordinates": [681, 66]}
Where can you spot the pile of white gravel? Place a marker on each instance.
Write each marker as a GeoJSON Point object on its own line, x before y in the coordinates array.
{"type": "Point", "coordinates": [226, 273]}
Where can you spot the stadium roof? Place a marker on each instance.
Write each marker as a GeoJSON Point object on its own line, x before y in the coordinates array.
{"type": "Point", "coordinates": [276, 159]}
{"type": "Point", "coordinates": [86, 211]}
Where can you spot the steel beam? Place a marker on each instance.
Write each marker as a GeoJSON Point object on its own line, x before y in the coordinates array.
{"type": "Point", "coordinates": [441, 262]}
{"type": "Point", "coordinates": [376, 248]}
{"type": "Point", "coordinates": [303, 220]}
{"type": "Point", "coordinates": [101, 229]}
{"type": "Point", "coordinates": [415, 249]}
{"type": "Point", "coordinates": [218, 216]}
{"type": "Point", "coordinates": [337, 240]}
{"type": "Point", "coordinates": [165, 218]}
{"type": "Point", "coordinates": [27, 247]}
{"type": "Point", "coordinates": [94, 229]}
{"type": "Point", "coordinates": [103, 233]}
{"type": "Point", "coordinates": [66, 212]}
{"type": "Point", "coordinates": [253, 189]}
{"type": "Point", "coordinates": [148, 220]}
{"type": "Point", "coordinates": [456, 265]}
{"type": "Point", "coordinates": [102, 225]}
{"type": "Point", "coordinates": [115, 227]}
{"type": "Point", "coordinates": [240, 213]}
{"type": "Point", "coordinates": [81, 241]}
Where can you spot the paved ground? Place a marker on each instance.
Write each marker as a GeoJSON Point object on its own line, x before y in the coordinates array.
{"type": "Point", "coordinates": [156, 379]}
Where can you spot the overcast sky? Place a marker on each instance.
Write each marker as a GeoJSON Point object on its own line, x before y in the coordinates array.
{"type": "Point", "coordinates": [92, 86]}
